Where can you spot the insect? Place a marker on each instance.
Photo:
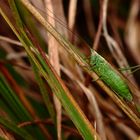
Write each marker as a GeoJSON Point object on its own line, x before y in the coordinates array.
{"type": "Point", "coordinates": [104, 70]}
{"type": "Point", "coordinates": [109, 76]}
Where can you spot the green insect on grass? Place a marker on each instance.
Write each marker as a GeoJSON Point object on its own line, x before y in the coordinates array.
{"type": "Point", "coordinates": [109, 76]}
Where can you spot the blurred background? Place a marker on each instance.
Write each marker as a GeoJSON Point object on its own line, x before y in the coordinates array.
{"type": "Point", "coordinates": [112, 28]}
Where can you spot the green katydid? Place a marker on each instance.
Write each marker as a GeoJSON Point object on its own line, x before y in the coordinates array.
{"type": "Point", "coordinates": [110, 76]}
{"type": "Point", "coordinates": [103, 69]}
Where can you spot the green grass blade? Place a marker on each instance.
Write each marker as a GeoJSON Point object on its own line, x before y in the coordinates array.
{"type": "Point", "coordinates": [67, 101]}
{"type": "Point", "coordinates": [44, 92]}
{"type": "Point", "coordinates": [11, 98]}
{"type": "Point", "coordinates": [19, 131]}
{"type": "Point", "coordinates": [16, 106]}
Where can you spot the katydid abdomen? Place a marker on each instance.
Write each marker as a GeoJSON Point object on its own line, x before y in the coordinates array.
{"type": "Point", "coordinates": [110, 77]}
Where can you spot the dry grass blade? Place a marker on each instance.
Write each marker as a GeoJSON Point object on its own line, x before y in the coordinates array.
{"type": "Point", "coordinates": [72, 14]}
{"type": "Point", "coordinates": [133, 30]}
{"type": "Point", "coordinates": [54, 60]}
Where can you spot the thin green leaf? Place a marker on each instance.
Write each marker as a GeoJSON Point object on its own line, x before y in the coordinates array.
{"type": "Point", "coordinates": [44, 92]}
{"type": "Point", "coordinates": [11, 98]}
{"type": "Point", "coordinates": [19, 131]}
{"type": "Point", "coordinates": [16, 106]}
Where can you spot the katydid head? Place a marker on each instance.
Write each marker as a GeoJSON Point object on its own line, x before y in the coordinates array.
{"type": "Point", "coordinates": [92, 60]}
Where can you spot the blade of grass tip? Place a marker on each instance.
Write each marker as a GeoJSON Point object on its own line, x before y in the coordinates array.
{"type": "Point", "coordinates": [13, 128]}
